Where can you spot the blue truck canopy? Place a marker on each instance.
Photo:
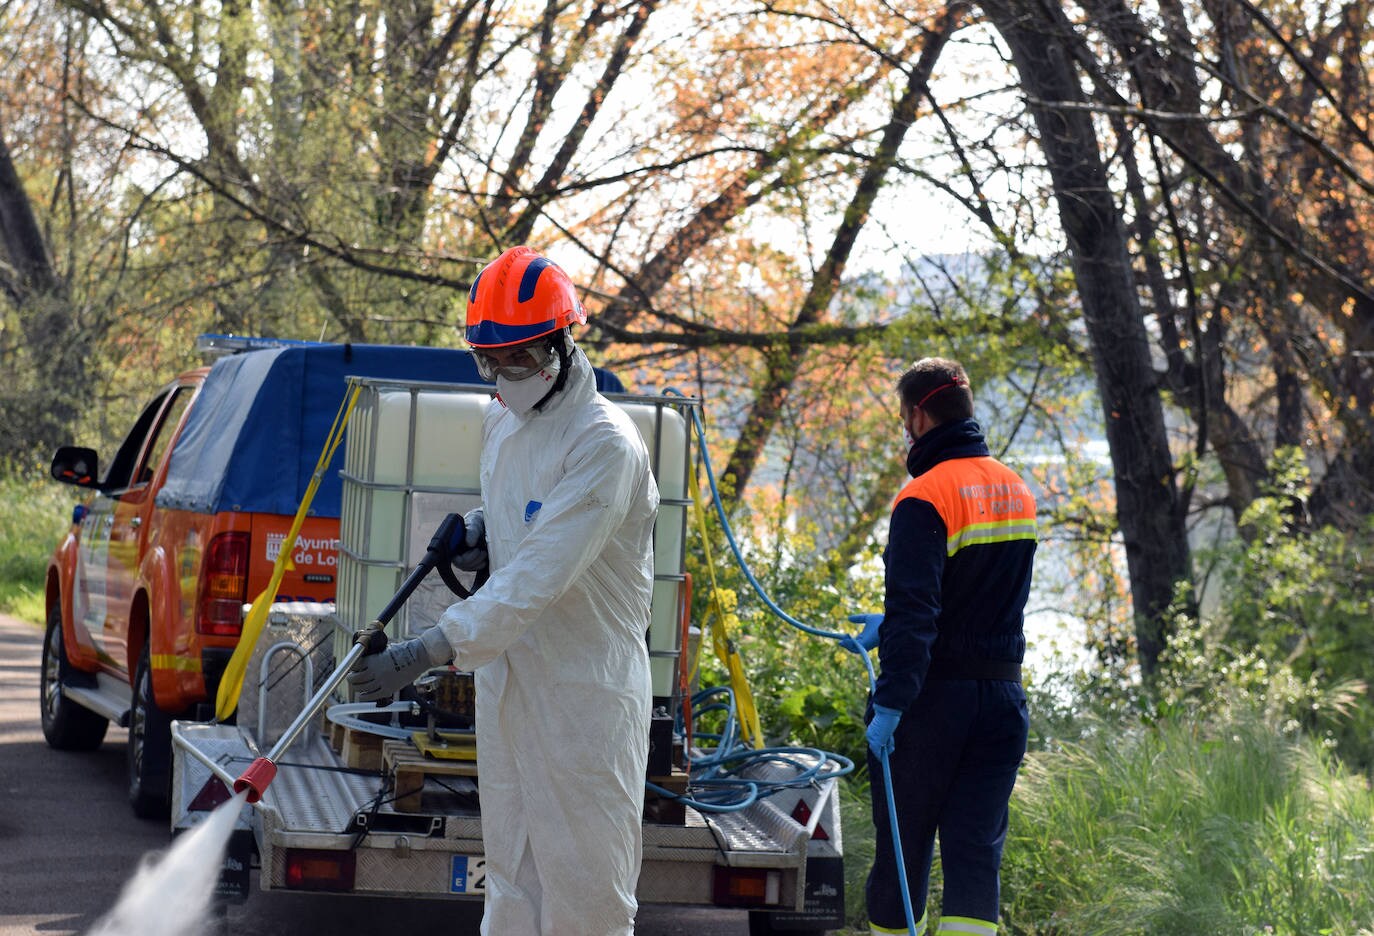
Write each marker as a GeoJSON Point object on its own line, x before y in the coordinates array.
{"type": "Point", "coordinates": [255, 434]}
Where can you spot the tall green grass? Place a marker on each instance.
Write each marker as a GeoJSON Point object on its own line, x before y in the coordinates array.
{"type": "Point", "coordinates": [34, 512]}
{"type": "Point", "coordinates": [1222, 827]}
{"type": "Point", "coordinates": [1228, 827]}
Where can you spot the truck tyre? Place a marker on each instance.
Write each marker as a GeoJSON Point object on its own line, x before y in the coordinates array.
{"type": "Point", "coordinates": [150, 747]}
{"type": "Point", "coordinates": [66, 725]}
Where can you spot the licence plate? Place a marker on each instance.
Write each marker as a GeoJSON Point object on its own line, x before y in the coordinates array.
{"type": "Point", "coordinates": [469, 875]}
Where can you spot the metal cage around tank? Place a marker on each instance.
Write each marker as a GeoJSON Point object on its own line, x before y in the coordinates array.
{"type": "Point", "coordinates": [412, 455]}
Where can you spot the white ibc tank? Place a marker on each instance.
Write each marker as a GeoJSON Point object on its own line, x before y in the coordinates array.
{"type": "Point", "coordinates": [664, 430]}
{"type": "Point", "coordinates": [413, 454]}
{"type": "Point", "coordinates": [401, 442]}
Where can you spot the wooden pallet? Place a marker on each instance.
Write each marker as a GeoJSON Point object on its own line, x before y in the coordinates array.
{"type": "Point", "coordinates": [360, 750]}
{"type": "Point", "coordinates": [408, 769]}
{"type": "Point", "coordinates": [662, 809]}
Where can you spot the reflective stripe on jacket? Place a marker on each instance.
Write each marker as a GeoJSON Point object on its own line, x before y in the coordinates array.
{"type": "Point", "coordinates": [960, 550]}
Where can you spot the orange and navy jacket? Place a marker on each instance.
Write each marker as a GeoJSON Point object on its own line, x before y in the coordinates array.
{"type": "Point", "coordinates": [959, 556]}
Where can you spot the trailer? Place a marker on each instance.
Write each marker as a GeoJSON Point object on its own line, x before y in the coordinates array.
{"type": "Point", "coordinates": [386, 802]}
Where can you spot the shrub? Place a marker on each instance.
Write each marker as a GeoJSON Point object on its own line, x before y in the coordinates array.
{"type": "Point", "coordinates": [1293, 625]}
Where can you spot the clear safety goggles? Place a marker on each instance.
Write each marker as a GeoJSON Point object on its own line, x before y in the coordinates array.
{"type": "Point", "coordinates": [514, 363]}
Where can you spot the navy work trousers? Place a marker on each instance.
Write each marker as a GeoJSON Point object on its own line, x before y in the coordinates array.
{"type": "Point", "coordinates": [954, 761]}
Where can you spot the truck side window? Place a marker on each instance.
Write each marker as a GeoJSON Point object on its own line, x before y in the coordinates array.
{"type": "Point", "coordinates": [142, 449]}
{"type": "Point", "coordinates": [119, 475]}
{"type": "Point", "coordinates": [165, 432]}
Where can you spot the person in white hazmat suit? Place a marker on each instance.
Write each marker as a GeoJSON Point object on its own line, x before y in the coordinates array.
{"type": "Point", "coordinates": [556, 636]}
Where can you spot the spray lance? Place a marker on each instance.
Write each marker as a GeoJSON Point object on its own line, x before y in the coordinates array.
{"type": "Point", "coordinates": [448, 540]}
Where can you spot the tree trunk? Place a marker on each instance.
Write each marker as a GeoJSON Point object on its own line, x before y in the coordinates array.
{"type": "Point", "coordinates": [1152, 525]}
{"type": "Point", "coordinates": [45, 374]}
{"type": "Point", "coordinates": [30, 271]}
{"type": "Point", "coordinates": [1168, 81]}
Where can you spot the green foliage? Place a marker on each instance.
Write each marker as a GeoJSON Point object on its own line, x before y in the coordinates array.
{"type": "Point", "coordinates": [36, 511]}
{"type": "Point", "coordinates": [856, 814]}
{"type": "Point", "coordinates": [1293, 628]}
{"type": "Point", "coordinates": [808, 690]}
{"type": "Point", "coordinates": [1189, 824]}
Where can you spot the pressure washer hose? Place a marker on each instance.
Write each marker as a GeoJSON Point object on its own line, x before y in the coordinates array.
{"type": "Point", "coordinates": [815, 632]}
{"type": "Point", "coordinates": [717, 790]}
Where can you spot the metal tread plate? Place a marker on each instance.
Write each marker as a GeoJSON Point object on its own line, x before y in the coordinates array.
{"type": "Point", "coordinates": [314, 792]}
{"type": "Point", "coordinates": [224, 746]}
{"type": "Point", "coordinates": [760, 834]}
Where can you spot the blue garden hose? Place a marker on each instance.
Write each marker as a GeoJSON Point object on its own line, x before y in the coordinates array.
{"type": "Point", "coordinates": [815, 632]}
{"type": "Point", "coordinates": [715, 781]}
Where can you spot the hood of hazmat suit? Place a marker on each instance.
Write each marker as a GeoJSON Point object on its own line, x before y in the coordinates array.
{"type": "Point", "coordinates": [556, 640]}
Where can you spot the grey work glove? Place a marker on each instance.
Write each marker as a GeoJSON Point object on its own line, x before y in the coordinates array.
{"type": "Point", "coordinates": [381, 675]}
{"type": "Point", "coordinates": [474, 557]}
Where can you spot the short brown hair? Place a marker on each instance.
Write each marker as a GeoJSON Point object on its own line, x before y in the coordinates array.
{"type": "Point", "coordinates": [940, 387]}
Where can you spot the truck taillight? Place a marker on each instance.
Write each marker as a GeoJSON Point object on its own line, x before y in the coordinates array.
{"type": "Point", "coordinates": [223, 586]}
{"type": "Point", "coordinates": [746, 887]}
{"type": "Point", "coordinates": [314, 869]}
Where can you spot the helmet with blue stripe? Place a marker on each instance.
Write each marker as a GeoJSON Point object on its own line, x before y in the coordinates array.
{"type": "Point", "coordinates": [518, 297]}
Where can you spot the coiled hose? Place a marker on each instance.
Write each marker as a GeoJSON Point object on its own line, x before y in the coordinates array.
{"type": "Point", "coordinates": [718, 759]}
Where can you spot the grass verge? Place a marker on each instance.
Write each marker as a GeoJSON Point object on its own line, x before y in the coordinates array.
{"type": "Point", "coordinates": [1186, 826]}
{"type": "Point", "coordinates": [34, 512]}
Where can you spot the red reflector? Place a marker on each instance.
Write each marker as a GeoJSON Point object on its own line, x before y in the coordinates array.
{"type": "Point", "coordinates": [223, 585]}
{"type": "Point", "coordinates": [211, 795]}
{"type": "Point", "coordinates": [315, 869]}
{"type": "Point", "coordinates": [746, 887]}
{"type": "Point", "coordinates": [802, 815]}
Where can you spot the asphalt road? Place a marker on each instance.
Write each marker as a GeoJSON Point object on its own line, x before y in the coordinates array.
{"type": "Point", "coordinates": [69, 842]}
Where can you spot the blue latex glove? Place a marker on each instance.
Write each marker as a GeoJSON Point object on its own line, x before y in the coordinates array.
{"type": "Point", "coordinates": [880, 729]}
{"type": "Point", "coordinates": [867, 638]}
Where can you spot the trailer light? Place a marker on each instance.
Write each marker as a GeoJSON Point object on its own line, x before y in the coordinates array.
{"type": "Point", "coordinates": [223, 586]}
{"type": "Point", "coordinates": [746, 887]}
{"type": "Point", "coordinates": [315, 869]}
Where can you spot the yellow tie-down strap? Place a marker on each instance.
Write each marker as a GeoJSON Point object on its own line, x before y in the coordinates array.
{"type": "Point", "coordinates": [231, 683]}
{"type": "Point", "coordinates": [724, 646]}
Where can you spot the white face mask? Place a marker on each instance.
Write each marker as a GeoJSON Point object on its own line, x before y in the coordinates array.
{"type": "Point", "coordinates": [520, 396]}
{"type": "Point", "coordinates": [907, 437]}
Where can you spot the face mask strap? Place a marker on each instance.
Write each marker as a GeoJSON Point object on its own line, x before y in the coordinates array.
{"type": "Point", "coordinates": [561, 344]}
{"type": "Point", "coordinates": [943, 386]}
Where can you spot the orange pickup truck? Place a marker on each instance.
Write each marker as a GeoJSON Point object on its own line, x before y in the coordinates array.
{"type": "Point", "coordinates": [146, 592]}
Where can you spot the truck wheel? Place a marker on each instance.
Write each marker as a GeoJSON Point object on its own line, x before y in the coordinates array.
{"type": "Point", "coordinates": [150, 747]}
{"type": "Point", "coordinates": [66, 725]}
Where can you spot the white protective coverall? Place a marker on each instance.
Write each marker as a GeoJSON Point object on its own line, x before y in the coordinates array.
{"type": "Point", "coordinates": [556, 640]}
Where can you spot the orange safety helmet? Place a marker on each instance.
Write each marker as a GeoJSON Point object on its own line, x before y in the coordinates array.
{"type": "Point", "coordinates": [518, 297]}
